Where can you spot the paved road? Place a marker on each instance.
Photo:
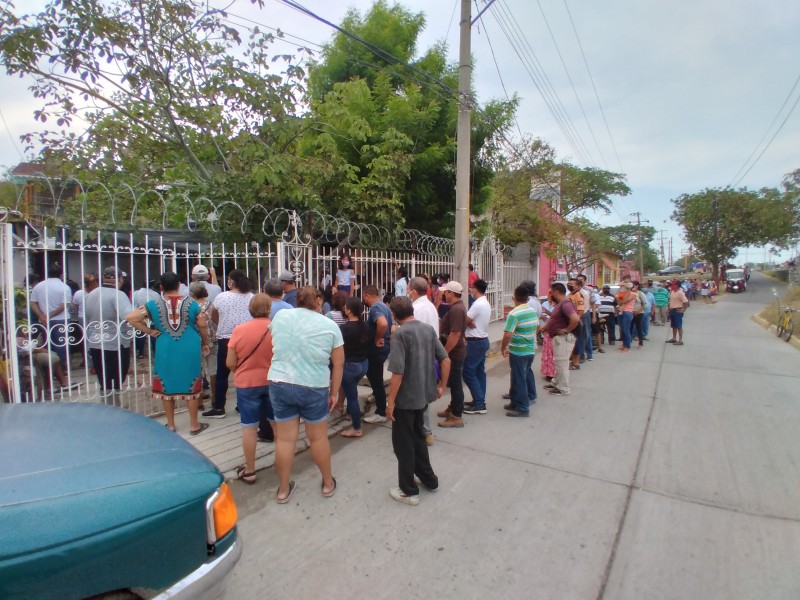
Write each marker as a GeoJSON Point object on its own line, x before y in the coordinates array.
{"type": "Point", "coordinates": [671, 472]}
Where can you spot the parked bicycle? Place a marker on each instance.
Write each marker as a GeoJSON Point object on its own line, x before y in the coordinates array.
{"type": "Point", "coordinates": [785, 320]}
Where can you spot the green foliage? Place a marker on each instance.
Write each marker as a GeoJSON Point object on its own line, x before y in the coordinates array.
{"type": "Point", "coordinates": [718, 221]}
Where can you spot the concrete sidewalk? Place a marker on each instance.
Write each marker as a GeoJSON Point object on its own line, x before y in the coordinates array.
{"type": "Point", "coordinates": [671, 472]}
{"type": "Point", "coordinates": [222, 441]}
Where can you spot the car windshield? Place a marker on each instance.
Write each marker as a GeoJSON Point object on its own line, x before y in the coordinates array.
{"type": "Point", "coordinates": [734, 274]}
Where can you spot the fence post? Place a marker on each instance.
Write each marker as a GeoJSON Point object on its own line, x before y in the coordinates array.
{"type": "Point", "coordinates": [10, 315]}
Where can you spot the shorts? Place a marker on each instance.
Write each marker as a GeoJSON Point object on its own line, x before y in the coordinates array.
{"type": "Point", "coordinates": [676, 319]}
{"type": "Point", "coordinates": [209, 363]}
{"type": "Point", "coordinates": [249, 401]}
{"type": "Point", "coordinates": [290, 401]}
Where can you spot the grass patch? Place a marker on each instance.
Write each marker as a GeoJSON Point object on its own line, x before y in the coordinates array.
{"type": "Point", "coordinates": [790, 298]}
{"type": "Point", "coordinates": [780, 275]}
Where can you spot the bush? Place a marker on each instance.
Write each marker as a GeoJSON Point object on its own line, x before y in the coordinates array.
{"type": "Point", "coordinates": [780, 275]}
{"type": "Point", "coordinates": [790, 298]}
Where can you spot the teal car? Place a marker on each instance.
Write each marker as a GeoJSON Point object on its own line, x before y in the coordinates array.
{"type": "Point", "coordinates": [96, 501]}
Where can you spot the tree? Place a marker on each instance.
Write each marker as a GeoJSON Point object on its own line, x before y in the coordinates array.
{"type": "Point", "coordinates": [624, 240]}
{"type": "Point", "coordinates": [391, 117]}
{"type": "Point", "coordinates": [718, 221]}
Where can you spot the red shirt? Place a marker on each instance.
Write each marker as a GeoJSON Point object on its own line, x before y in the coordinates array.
{"type": "Point", "coordinates": [473, 277]}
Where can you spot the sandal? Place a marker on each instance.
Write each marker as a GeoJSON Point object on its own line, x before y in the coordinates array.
{"type": "Point", "coordinates": [203, 427]}
{"type": "Point", "coordinates": [574, 368]}
{"type": "Point", "coordinates": [332, 492]}
{"type": "Point", "coordinates": [172, 429]}
{"type": "Point", "coordinates": [292, 487]}
{"type": "Point", "coordinates": [352, 433]}
{"type": "Point", "coordinates": [248, 478]}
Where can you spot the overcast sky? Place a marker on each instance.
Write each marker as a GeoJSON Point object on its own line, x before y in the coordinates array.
{"type": "Point", "coordinates": [689, 88]}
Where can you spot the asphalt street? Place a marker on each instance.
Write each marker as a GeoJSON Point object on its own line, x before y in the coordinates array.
{"type": "Point", "coordinates": [670, 472]}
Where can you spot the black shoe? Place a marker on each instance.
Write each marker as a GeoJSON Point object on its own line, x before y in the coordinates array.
{"type": "Point", "coordinates": [550, 386]}
{"type": "Point", "coordinates": [266, 440]}
{"type": "Point", "coordinates": [509, 406]}
{"type": "Point", "coordinates": [517, 413]}
{"type": "Point", "coordinates": [506, 396]}
{"type": "Point", "coordinates": [237, 409]}
{"type": "Point", "coordinates": [215, 413]}
{"type": "Point", "coordinates": [475, 410]}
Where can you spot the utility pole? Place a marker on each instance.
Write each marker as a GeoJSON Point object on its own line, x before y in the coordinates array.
{"type": "Point", "coordinates": [463, 150]}
{"type": "Point", "coordinates": [662, 257]}
{"type": "Point", "coordinates": [639, 222]}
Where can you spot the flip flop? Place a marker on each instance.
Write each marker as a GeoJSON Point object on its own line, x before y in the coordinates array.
{"type": "Point", "coordinates": [248, 478]}
{"type": "Point", "coordinates": [292, 487]}
{"type": "Point", "coordinates": [352, 433]}
{"type": "Point", "coordinates": [172, 429]}
{"type": "Point", "coordinates": [332, 492]}
{"type": "Point", "coordinates": [203, 427]}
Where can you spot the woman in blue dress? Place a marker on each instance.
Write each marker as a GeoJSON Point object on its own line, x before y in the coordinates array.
{"type": "Point", "coordinates": [179, 328]}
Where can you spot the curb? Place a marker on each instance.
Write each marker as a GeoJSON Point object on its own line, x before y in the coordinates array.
{"type": "Point", "coordinates": [793, 341]}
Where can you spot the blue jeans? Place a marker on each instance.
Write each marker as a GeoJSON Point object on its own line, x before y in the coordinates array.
{"type": "Point", "coordinates": [587, 327]}
{"type": "Point", "coordinates": [474, 372]}
{"type": "Point", "coordinates": [351, 375]}
{"type": "Point", "coordinates": [255, 409]}
{"type": "Point", "coordinates": [523, 386]}
{"type": "Point", "coordinates": [625, 320]}
{"type": "Point", "coordinates": [646, 322]}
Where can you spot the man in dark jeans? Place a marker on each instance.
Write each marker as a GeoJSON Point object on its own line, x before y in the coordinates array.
{"type": "Point", "coordinates": [379, 322]}
{"type": "Point", "coordinates": [452, 328]}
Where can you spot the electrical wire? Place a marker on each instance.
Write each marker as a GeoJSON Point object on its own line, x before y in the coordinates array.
{"type": "Point", "coordinates": [766, 133]}
{"type": "Point", "coordinates": [11, 137]}
{"type": "Point", "coordinates": [594, 87]}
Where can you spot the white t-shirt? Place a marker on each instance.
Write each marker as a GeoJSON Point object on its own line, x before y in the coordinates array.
{"type": "Point", "coordinates": [233, 309]}
{"type": "Point", "coordinates": [401, 287]}
{"type": "Point", "coordinates": [49, 294]}
{"type": "Point", "coordinates": [534, 303]}
{"type": "Point", "coordinates": [425, 312]}
{"type": "Point", "coordinates": [213, 290]}
{"type": "Point", "coordinates": [77, 300]}
{"type": "Point", "coordinates": [343, 276]}
{"type": "Point", "coordinates": [479, 312]}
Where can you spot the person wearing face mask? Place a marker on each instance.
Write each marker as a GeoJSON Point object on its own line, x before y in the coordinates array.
{"type": "Point", "coordinates": [108, 334]}
{"type": "Point", "coordinates": [345, 275]}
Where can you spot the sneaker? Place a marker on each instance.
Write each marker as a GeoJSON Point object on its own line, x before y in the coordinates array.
{"type": "Point", "coordinates": [557, 392]}
{"type": "Point", "coordinates": [590, 358]}
{"type": "Point", "coordinates": [374, 419]}
{"type": "Point", "coordinates": [452, 422]}
{"type": "Point", "coordinates": [475, 410]}
{"type": "Point", "coordinates": [550, 386]}
{"type": "Point", "coordinates": [443, 414]}
{"type": "Point", "coordinates": [506, 396]}
{"type": "Point", "coordinates": [397, 494]}
{"type": "Point", "coordinates": [517, 413]}
{"type": "Point", "coordinates": [215, 413]}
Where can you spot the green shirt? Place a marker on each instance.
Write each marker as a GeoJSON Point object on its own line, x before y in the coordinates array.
{"type": "Point", "coordinates": [661, 295]}
{"type": "Point", "coordinates": [522, 321]}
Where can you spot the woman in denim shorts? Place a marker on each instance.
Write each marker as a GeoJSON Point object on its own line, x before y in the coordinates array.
{"type": "Point", "coordinates": [304, 380]}
{"type": "Point", "coordinates": [249, 358]}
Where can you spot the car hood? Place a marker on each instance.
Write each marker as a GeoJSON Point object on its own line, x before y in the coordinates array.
{"type": "Point", "coordinates": [74, 470]}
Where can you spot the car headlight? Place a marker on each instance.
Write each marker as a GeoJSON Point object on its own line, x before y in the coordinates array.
{"type": "Point", "coordinates": [221, 514]}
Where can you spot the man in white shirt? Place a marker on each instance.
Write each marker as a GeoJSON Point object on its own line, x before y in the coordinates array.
{"type": "Point", "coordinates": [477, 336]}
{"type": "Point", "coordinates": [201, 273]}
{"type": "Point", "coordinates": [424, 312]}
{"type": "Point", "coordinates": [108, 335]}
{"type": "Point", "coordinates": [49, 301]}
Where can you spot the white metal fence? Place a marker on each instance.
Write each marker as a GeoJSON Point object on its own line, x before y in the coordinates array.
{"type": "Point", "coordinates": [28, 371]}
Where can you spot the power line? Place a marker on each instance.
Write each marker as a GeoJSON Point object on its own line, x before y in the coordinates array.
{"type": "Point", "coordinates": [596, 95]}
{"type": "Point", "coordinates": [766, 133]}
{"type": "Point", "coordinates": [11, 137]}
{"type": "Point", "coordinates": [535, 71]}
{"type": "Point", "coordinates": [572, 84]}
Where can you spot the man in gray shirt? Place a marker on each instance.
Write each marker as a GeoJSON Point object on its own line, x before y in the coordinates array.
{"type": "Point", "coordinates": [108, 335]}
{"type": "Point", "coordinates": [413, 385]}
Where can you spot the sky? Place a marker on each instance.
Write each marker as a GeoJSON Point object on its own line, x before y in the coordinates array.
{"type": "Point", "coordinates": [689, 89]}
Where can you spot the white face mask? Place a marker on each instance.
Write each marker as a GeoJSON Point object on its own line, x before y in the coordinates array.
{"type": "Point", "coordinates": [345, 263]}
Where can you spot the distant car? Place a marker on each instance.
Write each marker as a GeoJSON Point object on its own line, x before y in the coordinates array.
{"type": "Point", "coordinates": [735, 280]}
{"type": "Point", "coordinates": [99, 502]}
{"type": "Point", "coordinates": [674, 270]}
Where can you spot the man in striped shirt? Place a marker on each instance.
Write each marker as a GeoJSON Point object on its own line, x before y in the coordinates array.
{"type": "Point", "coordinates": [519, 346]}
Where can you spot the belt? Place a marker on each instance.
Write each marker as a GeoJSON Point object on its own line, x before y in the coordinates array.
{"type": "Point", "coordinates": [475, 339]}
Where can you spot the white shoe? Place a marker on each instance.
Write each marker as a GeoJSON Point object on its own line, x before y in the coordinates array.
{"type": "Point", "coordinates": [374, 419]}
{"type": "Point", "coordinates": [397, 494]}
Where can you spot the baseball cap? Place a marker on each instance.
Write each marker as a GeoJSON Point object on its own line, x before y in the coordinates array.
{"type": "Point", "coordinates": [200, 270]}
{"type": "Point", "coordinates": [286, 276]}
{"type": "Point", "coordinates": [453, 286]}
{"type": "Point", "coordinates": [112, 273]}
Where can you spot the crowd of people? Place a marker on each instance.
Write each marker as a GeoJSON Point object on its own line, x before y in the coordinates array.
{"type": "Point", "coordinates": [298, 354]}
